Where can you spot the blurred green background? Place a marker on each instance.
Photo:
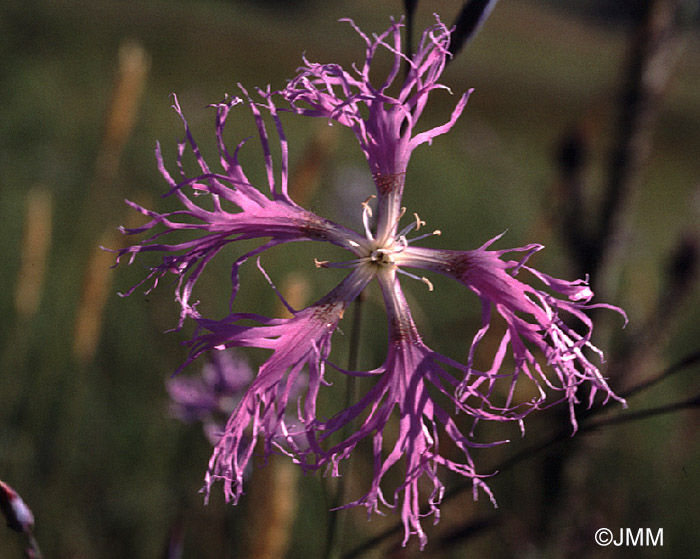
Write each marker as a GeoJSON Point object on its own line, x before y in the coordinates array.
{"type": "Point", "coordinates": [85, 433]}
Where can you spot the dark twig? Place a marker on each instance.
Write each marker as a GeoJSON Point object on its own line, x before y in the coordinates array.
{"type": "Point", "coordinates": [336, 525]}
{"type": "Point", "coordinates": [627, 417]}
{"type": "Point", "coordinates": [469, 530]}
{"type": "Point", "coordinates": [571, 209]}
{"type": "Point", "coordinates": [642, 347]}
{"type": "Point", "coordinates": [652, 60]}
{"type": "Point", "coordinates": [372, 542]}
{"type": "Point", "coordinates": [468, 23]}
{"type": "Point", "coordinates": [687, 361]}
{"type": "Point", "coordinates": [410, 9]}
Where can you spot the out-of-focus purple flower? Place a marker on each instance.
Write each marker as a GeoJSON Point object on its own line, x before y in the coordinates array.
{"type": "Point", "coordinates": [416, 386]}
{"type": "Point", "coordinates": [18, 515]}
{"type": "Point", "coordinates": [211, 396]}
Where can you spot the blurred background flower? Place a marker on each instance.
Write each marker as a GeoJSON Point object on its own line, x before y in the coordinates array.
{"type": "Point", "coordinates": [211, 396]}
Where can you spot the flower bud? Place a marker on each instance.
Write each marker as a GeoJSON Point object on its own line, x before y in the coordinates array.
{"type": "Point", "coordinates": [18, 515]}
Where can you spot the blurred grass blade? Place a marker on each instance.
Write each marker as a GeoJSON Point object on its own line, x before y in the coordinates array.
{"type": "Point", "coordinates": [308, 173]}
{"type": "Point", "coordinates": [96, 288]}
{"type": "Point", "coordinates": [272, 509]}
{"type": "Point", "coordinates": [119, 122]}
{"type": "Point", "coordinates": [35, 248]}
{"type": "Point", "coordinates": [120, 119]}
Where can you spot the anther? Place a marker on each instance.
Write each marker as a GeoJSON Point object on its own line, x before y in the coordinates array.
{"type": "Point", "coordinates": [321, 263]}
{"type": "Point", "coordinates": [419, 221]}
{"type": "Point", "coordinates": [425, 236]}
{"type": "Point", "coordinates": [425, 280]}
{"type": "Point", "coordinates": [366, 214]}
{"type": "Point", "coordinates": [365, 205]}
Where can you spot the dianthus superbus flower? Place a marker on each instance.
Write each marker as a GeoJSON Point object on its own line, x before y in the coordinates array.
{"type": "Point", "coordinates": [546, 342]}
{"type": "Point", "coordinates": [534, 318]}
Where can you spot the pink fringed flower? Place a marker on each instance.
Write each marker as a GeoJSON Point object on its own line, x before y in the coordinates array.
{"type": "Point", "coordinates": [256, 215]}
{"type": "Point", "coordinates": [406, 385]}
{"type": "Point", "coordinates": [431, 396]}
{"type": "Point", "coordinates": [534, 319]}
{"type": "Point", "coordinates": [383, 125]}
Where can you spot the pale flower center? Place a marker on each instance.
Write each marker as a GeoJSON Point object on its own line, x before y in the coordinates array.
{"type": "Point", "coordinates": [382, 257]}
{"type": "Point", "coordinates": [376, 257]}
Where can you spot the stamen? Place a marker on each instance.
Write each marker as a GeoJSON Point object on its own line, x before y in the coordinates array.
{"type": "Point", "coordinates": [419, 221]}
{"type": "Point", "coordinates": [401, 243]}
{"type": "Point", "coordinates": [417, 224]}
{"type": "Point", "coordinates": [423, 279]}
{"type": "Point", "coordinates": [366, 214]}
{"type": "Point", "coordinates": [406, 230]}
{"type": "Point", "coordinates": [365, 204]}
{"type": "Point", "coordinates": [436, 232]}
{"type": "Point", "coordinates": [346, 264]}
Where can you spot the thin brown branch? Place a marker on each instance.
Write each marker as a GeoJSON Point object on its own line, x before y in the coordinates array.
{"type": "Point", "coordinates": [687, 361]}
{"type": "Point", "coordinates": [338, 515]}
{"type": "Point", "coordinates": [642, 348]}
{"type": "Point", "coordinates": [654, 52]}
{"type": "Point", "coordinates": [627, 417]}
